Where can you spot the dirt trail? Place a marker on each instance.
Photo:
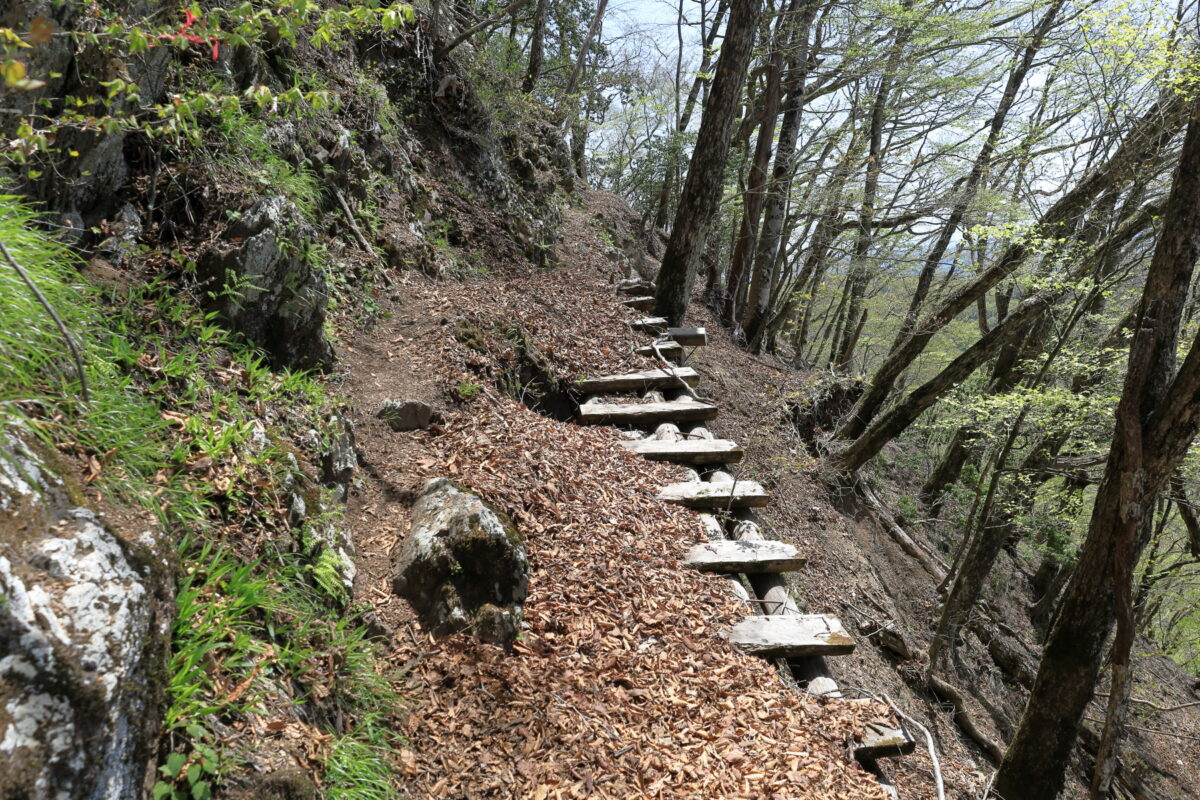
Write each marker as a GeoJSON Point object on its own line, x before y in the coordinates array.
{"type": "Point", "coordinates": [621, 685]}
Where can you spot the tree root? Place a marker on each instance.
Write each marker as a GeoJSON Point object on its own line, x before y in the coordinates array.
{"type": "Point", "coordinates": [928, 560]}
{"type": "Point", "coordinates": [962, 717]}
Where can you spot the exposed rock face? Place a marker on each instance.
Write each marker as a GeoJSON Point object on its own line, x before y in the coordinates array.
{"type": "Point", "coordinates": [463, 566]}
{"type": "Point", "coordinates": [406, 415]}
{"type": "Point", "coordinates": [85, 184]}
{"type": "Point", "coordinates": [316, 496]}
{"type": "Point", "coordinates": [266, 286]}
{"type": "Point", "coordinates": [84, 641]}
{"type": "Point", "coordinates": [633, 247]}
{"type": "Point", "coordinates": [340, 461]}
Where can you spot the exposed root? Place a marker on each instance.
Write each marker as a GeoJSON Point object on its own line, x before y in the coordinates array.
{"type": "Point", "coordinates": [962, 717]}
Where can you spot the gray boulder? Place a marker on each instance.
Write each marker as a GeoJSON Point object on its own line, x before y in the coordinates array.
{"type": "Point", "coordinates": [84, 640]}
{"type": "Point", "coordinates": [406, 415]}
{"type": "Point", "coordinates": [266, 287]}
{"type": "Point", "coordinates": [463, 565]}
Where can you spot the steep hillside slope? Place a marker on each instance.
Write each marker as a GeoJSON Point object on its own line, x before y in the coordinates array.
{"type": "Point", "coordinates": [620, 684]}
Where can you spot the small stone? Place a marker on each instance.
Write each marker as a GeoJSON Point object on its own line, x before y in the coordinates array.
{"type": "Point", "coordinates": [406, 415]}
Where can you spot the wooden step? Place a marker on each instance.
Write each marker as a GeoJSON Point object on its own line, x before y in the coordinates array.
{"type": "Point", "coordinates": [654, 325]}
{"type": "Point", "coordinates": [790, 636]}
{"type": "Point", "coordinates": [883, 741]}
{"type": "Point", "coordinates": [688, 451]}
{"type": "Point", "coordinates": [748, 557]}
{"type": "Point", "coordinates": [641, 381]}
{"type": "Point", "coordinates": [713, 497]}
{"type": "Point", "coordinates": [644, 303]}
{"type": "Point", "coordinates": [689, 337]}
{"type": "Point", "coordinates": [668, 350]}
{"type": "Point", "coordinates": [644, 413]}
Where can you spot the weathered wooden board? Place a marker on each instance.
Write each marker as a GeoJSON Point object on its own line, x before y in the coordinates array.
{"type": "Point", "coordinates": [688, 451]}
{"type": "Point", "coordinates": [668, 350]}
{"type": "Point", "coordinates": [689, 337]}
{"type": "Point", "coordinates": [640, 381]}
{"type": "Point", "coordinates": [883, 741]}
{"type": "Point", "coordinates": [644, 413]}
{"type": "Point", "coordinates": [790, 636]}
{"type": "Point", "coordinates": [748, 557]}
{"type": "Point", "coordinates": [710, 497]}
{"type": "Point", "coordinates": [645, 303]}
{"type": "Point", "coordinates": [655, 325]}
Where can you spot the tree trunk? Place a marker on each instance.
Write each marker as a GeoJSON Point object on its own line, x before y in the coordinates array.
{"type": "Point", "coordinates": [1156, 422]}
{"type": "Point", "coordinates": [537, 48]}
{"type": "Point", "coordinates": [860, 269]}
{"type": "Point", "coordinates": [577, 72]}
{"type": "Point", "coordinates": [756, 184]}
{"type": "Point", "coordinates": [702, 188]}
{"type": "Point", "coordinates": [758, 299]}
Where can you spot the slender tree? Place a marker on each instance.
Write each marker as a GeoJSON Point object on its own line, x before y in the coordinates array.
{"type": "Point", "coordinates": [752, 202]}
{"type": "Point", "coordinates": [537, 48]}
{"type": "Point", "coordinates": [702, 187]}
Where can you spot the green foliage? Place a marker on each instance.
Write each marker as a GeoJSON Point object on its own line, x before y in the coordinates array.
{"type": "Point", "coordinates": [468, 391]}
{"type": "Point", "coordinates": [119, 106]}
{"type": "Point", "coordinates": [237, 145]}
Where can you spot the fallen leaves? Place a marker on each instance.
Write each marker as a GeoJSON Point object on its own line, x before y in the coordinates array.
{"type": "Point", "coordinates": [620, 686]}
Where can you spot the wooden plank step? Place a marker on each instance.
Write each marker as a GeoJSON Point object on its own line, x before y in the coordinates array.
{"type": "Point", "coordinates": [644, 303]}
{"type": "Point", "coordinates": [668, 350]}
{"type": "Point", "coordinates": [792, 635]}
{"type": "Point", "coordinates": [641, 381]}
{"type": "Point", "coordinates": [654, 325]}
{"type": "Point", "coordinates": [748, 557]}
{"type": "Point", "coordinates": [644, 413]}
{"type": "Point", "coordinates": [883, 741]}
{"type": "Point", "coordinates": [688, 451]}
{"type": "Point", "coordinates": [689, 337]}
{"type": "Point", "coordinates": [711, 497]}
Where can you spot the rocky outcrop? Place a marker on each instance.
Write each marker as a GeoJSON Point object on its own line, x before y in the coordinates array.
{"type": "Point", "coordinates": [632, 246]}
{"type": "Point", "coordinates": [85, 620]}
{"type": "Point", "coordinates": [89, 168]}
{"type": "Point", "coordinates": [125, 230]}
{"type": "Point", "coordinates": [263, 281]}
{"type": "Point", "coordinates": [463, 565]}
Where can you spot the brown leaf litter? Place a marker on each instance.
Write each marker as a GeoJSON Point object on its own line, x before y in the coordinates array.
{"type": "Point", "coordinates": [621, 685]}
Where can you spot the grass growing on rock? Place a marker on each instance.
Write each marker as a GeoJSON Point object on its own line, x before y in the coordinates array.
{"type": "Point", "coordinates": [187, 423]}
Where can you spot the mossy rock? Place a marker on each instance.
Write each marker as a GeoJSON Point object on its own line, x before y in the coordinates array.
{"type": "Point", "coordinates": [463, 565]}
